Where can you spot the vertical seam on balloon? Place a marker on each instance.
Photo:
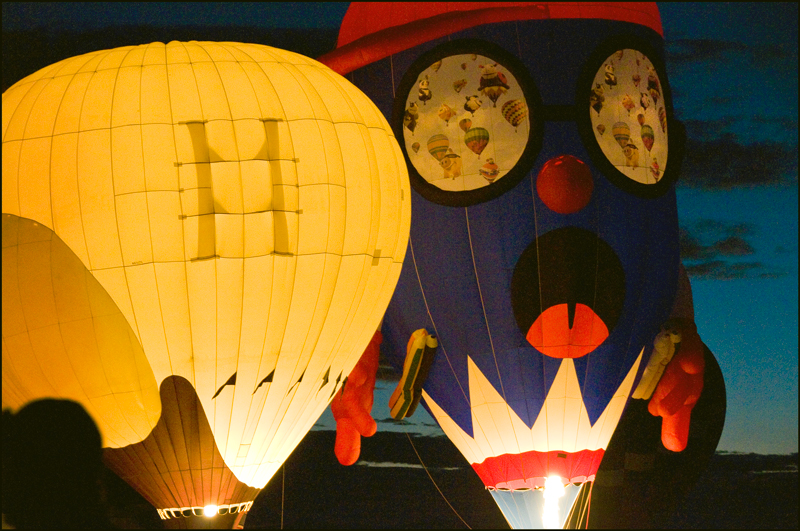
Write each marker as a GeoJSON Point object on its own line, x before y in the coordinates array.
{"type": "Point", "coordinates": [224, 449]}
{"type": "Point", "coordinates": [310, 399]}
{"type": "Point", "coordinates": [353, 107]}
{"type": "Point", "coordinates": [489, 332]}
{"type": "Point", "coordinates": [263, 399]}
{"type": "Point", "coordinates": [266, 442]}
{"type": "Point", "coordinates": [427, 308]}
{"type": "Point", "coordinates": [590, 359]}
{"type": "Point", "coordinates": [158, 384]}
{"type": "Point", "coordinates": [530, 434]}
{"type": "Point", "coordinates": [276, 422]}
{"type": "Point", "coordinates": [257, 421]}
{"type": "Point", "coordinates": [77, 177]}
{"type": "Point", "coordinates": [391, 69]}
{"type": "Point", "coordinates": [213, 423]}
{"type": "Point", "coordinates": [183, 231]}
{"type": "Point", "coordinates": [180, 200]}
{"type": "Point", "coordinates": [141, 137]}
{"type": "Point", "coordinates": [110, 125]}
{"type": "Point", "coordinates": [9, 358]}
{"type": "Point", "coordinates": [115, 210]}
{"type": "Point", "coordinates": [279, 447]}
{"type": "Point", "coordinates": [194, 377]}
{"type": "Point", "coordinates": [22, 140]}
{"type": "Point", "coordinates": [543, 408]}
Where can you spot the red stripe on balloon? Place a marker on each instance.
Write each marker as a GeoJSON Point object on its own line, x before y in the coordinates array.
{"type": "Point", "coordinates": [529, 470]}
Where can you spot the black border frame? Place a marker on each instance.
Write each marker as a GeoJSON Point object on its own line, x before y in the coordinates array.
{"type": "Point", "coordinates": [535, 115]}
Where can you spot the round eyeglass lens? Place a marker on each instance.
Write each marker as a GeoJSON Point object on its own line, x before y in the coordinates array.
{"type": "Point", "coordinates": [466, 122]}
{"type": "Point", "coordinates": [628, 115]}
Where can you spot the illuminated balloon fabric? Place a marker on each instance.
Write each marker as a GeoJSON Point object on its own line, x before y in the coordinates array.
{"type": "Point", "coordinates": [240, 216]}
{"type": "Point", "coordinates": [516, 414]}
{"type": "Point", "coordinates": [59, 326]}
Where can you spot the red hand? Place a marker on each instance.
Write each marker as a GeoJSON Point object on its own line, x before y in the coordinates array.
{"type": "Point", "coordinates": [352, 405]}
{"type": "Point", "coordinates": [679, 389]}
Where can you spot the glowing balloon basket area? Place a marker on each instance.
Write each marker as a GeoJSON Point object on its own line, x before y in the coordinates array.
{"type": "Point", "coordinates": [199, 241]}
{"type": "Point", "coordinates": [544, 508]}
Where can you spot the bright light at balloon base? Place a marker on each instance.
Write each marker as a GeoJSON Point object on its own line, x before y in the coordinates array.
{"type": "Point", "coordinates": [210, 510]}
{"type": "Point", "coordinates": [553, 490]}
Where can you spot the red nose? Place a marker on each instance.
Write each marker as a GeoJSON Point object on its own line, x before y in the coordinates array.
{"type": "Point", "coordinates": [565, 184]}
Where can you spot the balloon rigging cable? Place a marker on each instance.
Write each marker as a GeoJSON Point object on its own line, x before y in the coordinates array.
{"type": "Point", "coordinates": [434, 482]}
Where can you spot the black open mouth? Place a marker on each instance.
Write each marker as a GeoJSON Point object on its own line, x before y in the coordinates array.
{"type": "Point", "coordinates": [567, 292]}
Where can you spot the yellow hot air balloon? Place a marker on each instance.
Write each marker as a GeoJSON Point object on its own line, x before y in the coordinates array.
{"type": "Point", "coordinates": [199, 241]}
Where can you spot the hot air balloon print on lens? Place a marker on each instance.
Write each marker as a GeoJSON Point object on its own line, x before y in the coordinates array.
{"type": "Point", "coordinates": [446, 108]}
{"type": "Point", "coordinates": [437, 146]}
{"type": "Point", "coordinates": [493, 83]}
{"type": "Point", "coordinates": [490, 170]}
{"type": "Point", "coordinates": [415, 147]}
{"type": "Point", "coordinates": [411, 117]}
{"type": "Point", "coordinates": [622, 133]}
{"type": "Point", "coordinates": [627, 103]}
{"type": "Point", "coordinates": [445, 113]}
{"type": "Point", "coordinates": [476, 139]}
{"type": "Point", "coordinates": [209, 263]}
{"type": "Point", "coordinates": [597, 98]}
{"type": "Point", "coordinates": [647, 137]}
{"type": "Point", "coordinates": [515, 112]}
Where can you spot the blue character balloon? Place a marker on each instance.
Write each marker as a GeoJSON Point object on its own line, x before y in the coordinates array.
{"type": "Point", "coordinates": [548, 287]}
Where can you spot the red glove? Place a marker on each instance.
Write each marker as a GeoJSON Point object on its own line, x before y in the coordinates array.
{"type": "Point", "coordinates": [352, 405]}
{"type": "Point", "coordinates": [679, 389]}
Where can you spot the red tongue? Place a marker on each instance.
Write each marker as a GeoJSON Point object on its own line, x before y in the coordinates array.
{"type": "Point", "coordinates": [551, 335]}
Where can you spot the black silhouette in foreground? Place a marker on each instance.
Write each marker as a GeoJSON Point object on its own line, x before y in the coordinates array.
{"type": "Point", "coordinates": [52, 467]}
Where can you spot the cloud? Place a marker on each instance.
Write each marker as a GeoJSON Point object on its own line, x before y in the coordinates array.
{"type": "Point", "coordinates": [710, 249]}
{"type": "Point", "coordinates": [726, 163]}
{"type": "Point", "coordinates": [719, 270]}
{"type": "Point", "coordinates": [389, 421]}
{"type": "Point", "coordinates": [735, 127]}
{"type": "Point", "coordinates": [727, 240]}
{"type": "Point", "coordinates": [388, 464]}
{"type": "Point", "coordinates": [733, 246]}
{"type": "Point", "coordinates": [680, 52]}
